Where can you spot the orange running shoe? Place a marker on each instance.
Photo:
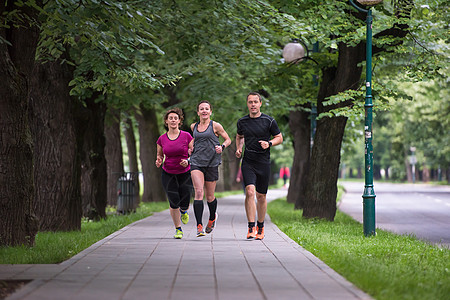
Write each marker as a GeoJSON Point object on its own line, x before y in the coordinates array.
{"type": "Point", "coordinates": [200, 231]}
{"type": "Point", "coordinates": [251, 232]}
{"type": "Point", "coordinates": [211, 224]}
{"type": "Point", "coordinates": [260, 233]}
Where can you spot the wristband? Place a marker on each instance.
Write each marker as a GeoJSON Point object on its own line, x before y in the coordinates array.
{"type": "Point", "coordinates": [270, 144]}
{"type": "Point", "coordinates": [223, 146]}
{"type": "Point", "coordinates": [189, 160]}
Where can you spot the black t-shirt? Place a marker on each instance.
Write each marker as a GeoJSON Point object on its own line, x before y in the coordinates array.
{"type": "Point", "coordinates": [254, 130]}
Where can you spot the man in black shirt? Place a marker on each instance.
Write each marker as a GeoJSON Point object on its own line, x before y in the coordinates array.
{"type": "Point", "coordinates": [256, 129]}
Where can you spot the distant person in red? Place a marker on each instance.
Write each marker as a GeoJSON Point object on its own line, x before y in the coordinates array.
{"type": "Point", "coordinates": [240, 177]}
{"type": "Point", "coordinates": [285, 174]}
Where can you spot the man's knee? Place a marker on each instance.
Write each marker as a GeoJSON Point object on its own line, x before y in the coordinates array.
{"type": "Point", "coordinates": [261, 198]}
{"type": "Point", "coordinates": [250, 191]}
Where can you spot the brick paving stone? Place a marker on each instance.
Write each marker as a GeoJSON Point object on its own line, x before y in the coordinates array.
{"type": "Point", "coordinates": [144, 261]}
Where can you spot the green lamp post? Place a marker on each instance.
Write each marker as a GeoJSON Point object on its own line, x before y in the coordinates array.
{"type": "Point", "coordinates": [369, 193]}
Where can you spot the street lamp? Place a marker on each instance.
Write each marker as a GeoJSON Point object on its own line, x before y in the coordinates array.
{"type": "Point", "coordinates": [293, 53]}
{"type": "Point", "coordinates": [369, 193]}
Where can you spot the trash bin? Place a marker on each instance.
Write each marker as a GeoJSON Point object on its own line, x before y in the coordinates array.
{"type": "Point", "coordinates": [126, 192]}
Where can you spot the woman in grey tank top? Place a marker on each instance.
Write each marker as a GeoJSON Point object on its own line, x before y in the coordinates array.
{"type": "Point", "coordinates": [205, 161]}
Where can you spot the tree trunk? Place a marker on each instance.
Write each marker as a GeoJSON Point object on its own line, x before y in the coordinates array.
{"type": "Point", "coordinates": [148, 135]}
{"type": "Point", "coordinates": [233, 166]}
{"type": "Point", "coordinates": [113, 154]}
{"type": "Point", "coordinates": [426, 174]}
{"type": "Point", "coordinates": [408, 167]}
{"type": "Point", "coordinates": [433, 174]}
{"type": "Point", "coordinates": [18, 224]}
{"type": "Point", "coordinates": [321, 191]}
{"type": "Point", "coordinates": [376, 172]}
{"type": "Point", "coordinates": [360, 174]}
{"type": "Point", "coordinates": [57, 199]}
{"type": "Point", "coordinates": [93, 162]}
{"type": "Point", "coordinates": [132, 154]}
{"type": "Point", "coordinates": [322, 185]}
{"type": "Point", "coordinates": [300, 125]}
{"type": "Point", "coordinates": [227, 167]}
{"type": "Point", "coordinates": [448, 175]}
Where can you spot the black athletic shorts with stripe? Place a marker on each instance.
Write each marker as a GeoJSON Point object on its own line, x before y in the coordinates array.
{"type": "Point", "coordinates": [257, 174]}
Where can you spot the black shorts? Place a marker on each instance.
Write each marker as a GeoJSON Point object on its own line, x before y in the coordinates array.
{"type": "Point", "coordinates": [257, 174]}
{"type": "Point", "coordinates": [210, 173]}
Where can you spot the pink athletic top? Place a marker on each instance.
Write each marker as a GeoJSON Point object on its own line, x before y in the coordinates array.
{"type": "Point", "coordinates": [174, 151]}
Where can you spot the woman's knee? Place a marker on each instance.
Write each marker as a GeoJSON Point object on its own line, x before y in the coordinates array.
{"type": "Point", "coordinates": [198, 194]}
{"type": "Point", "coordinates": [210, 198]}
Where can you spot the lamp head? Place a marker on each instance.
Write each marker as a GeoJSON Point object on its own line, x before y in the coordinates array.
{"type": "Point", "coordinates": [369, 2]}
{"type": "Point", "coordinates": [293, 52]}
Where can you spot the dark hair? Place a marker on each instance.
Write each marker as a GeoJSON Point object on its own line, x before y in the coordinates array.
{"type": "Point", "coordinates": [204, 101]}
{"type": "Point", "coordinates": [174, 110]}
{"type": "Point", "coordinates": [255, 94]}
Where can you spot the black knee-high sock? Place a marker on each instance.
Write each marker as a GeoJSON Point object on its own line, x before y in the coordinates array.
{"type": "Point", "coordinates": [212, 209]}
{"type": "Point", "coordinates": [198, 210]}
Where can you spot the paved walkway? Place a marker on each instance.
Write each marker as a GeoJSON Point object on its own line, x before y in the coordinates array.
{"type": "Point", "coordinates": [144, 261]}
{"type": "Point", "coordinates": [419, 209]}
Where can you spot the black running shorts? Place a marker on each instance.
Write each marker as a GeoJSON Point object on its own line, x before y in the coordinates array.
{"type": "Point", "coordinates": [210, 173]}
{"type": "Point", "coordinates": [257, 174]}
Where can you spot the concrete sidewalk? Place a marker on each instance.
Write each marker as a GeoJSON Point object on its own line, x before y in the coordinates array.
{"type": "Point", "coordinates": [144, 261]}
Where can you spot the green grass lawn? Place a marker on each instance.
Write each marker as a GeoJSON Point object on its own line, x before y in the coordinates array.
{"type": "Point", "coordinates": [387, 266]}
{"type": "Point", "coordinates": [55, 247]}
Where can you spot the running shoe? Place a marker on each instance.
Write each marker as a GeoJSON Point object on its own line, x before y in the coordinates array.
{"type": "Point", "coordinates": [251, 232]}
{"type": "Point", "coordinates": [184, 217]}
{"type": "Point", "coordinates": [178, 234]}
{"type": "Point", "coordinates": [200, 231]}
{"type": "Point", "coordinates": [211, 224]}
{"type": "Point", "coordinates": [260, 233]}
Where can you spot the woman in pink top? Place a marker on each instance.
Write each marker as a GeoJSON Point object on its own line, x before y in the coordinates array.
{"type": "Point", "coordinates": [172, 151]}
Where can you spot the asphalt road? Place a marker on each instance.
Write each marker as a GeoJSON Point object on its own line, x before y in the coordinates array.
{"type": "Point", "coordinates": [419, 209]}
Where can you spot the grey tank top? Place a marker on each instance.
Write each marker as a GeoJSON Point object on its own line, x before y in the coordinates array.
{"type": "Point", "coordinates": [204, 154]}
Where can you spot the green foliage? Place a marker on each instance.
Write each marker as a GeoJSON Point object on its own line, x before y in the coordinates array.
{"type": "Point", "coordinates": [387, 266]}
{"type": "Point", "coordinates": [418, 56]}
{"type": "Point", "coordinates": [111, 44]}
{"type": "Point", "coordinates": [122, 48]}
{"type": "Point", "coordinates": [403, 110]}
{"type": "Point", "coordinates": [419, 119]}
{"type": "Point", "coordinates": [55, 247]}
{"type": "Point", "coordinates": [222, 50]}
{"type": "Point", "coordinates": [352, 150]}
{"type": "Point", "coordinates": [426, 122]}
{"type": "Point", "coordinates": [283, 155]}
{"type": "Point", "coordinates": [135, 53]}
